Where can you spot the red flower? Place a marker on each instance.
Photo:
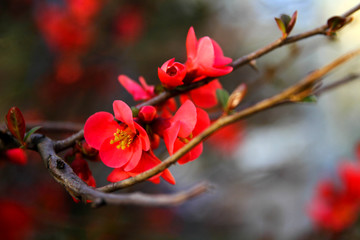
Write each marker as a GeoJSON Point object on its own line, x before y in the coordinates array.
{"type": "Point", "coordinates": [171, 73]}
{"type": "Point", "coordinates": [228, 138]}
{"type": "Point", "coordinates": [15, 220]}
{"type": "Point", "coordinates": [119, 144]}
{"type": "Point", "coordinates": [148, 161]}
{"type": "Point", "coordinates": [129, 24]}
{"type": "Point", "coordinates": [81, 168]}
{"type": "Point", "coordinates": [205, 58]}
{"type": "Point", "coordinates": [61, 32]}
{"type": "Point", "coordinates": [187, 122]}
{"type": "Point", "coordinates": [337, 207]}
{"type": "Point", "coordinates": [84, 10]}
{"type": "Point", "coordinates": [16, 155]}
{"type": "Point", "coordinates": [146, 92]}
{"type": "Point", "coordinates": [333, 209]}
{"type": "Point", "coordinates": [205, 96]}
{"type": "Point", "coordinates": [349, 173]}
{"type": "Point", "coordinates": [139, 92]}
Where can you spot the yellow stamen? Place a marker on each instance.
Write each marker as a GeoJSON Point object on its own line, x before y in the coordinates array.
{"type": "Point", "coordinates": [124, 138]}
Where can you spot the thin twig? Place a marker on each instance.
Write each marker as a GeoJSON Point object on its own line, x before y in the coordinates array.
{"type": "Point", "coordinates": [336, 84]}
{"type": "Point", "coordinates": [278, 99]}
{"type": "Point", "coordinates": [68, 142]}
{"type": "Point", "coordinates": [322, 30]}
{"type": "Point", "coordinates": [49, 126]}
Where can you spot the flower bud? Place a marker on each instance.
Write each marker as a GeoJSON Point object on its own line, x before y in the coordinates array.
{"type": "Point", "coordinates": [236, 97]}
{"type": "Point", "coordinates": [171, 73]}
{"type": "Point", "coordinates": [147, 113]}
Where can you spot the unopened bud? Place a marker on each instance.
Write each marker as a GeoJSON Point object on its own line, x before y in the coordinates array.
{"type": "Point", "coordinates": [236, 97]}
{"type": "Point", "coordinates": [147, 113]}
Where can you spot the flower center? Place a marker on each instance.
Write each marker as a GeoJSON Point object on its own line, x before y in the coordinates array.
{"type": "Point", "coordinates": [123, 138]}
{"type": "Point", "coordinates": [171, 71]}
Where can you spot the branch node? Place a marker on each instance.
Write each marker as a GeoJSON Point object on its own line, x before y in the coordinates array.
{"type": "Point", "coordinates": [60, 164]}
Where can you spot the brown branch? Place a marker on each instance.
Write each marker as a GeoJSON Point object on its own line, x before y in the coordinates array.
{"type": "Point", "coordinates": [68, 142]}
{"type": "Point", "coordinates": [56, 127]}
{"type": "Point", "coordinates": [64, 175]}
{"type": "Point", "coordinates": [322, 30]}
{"type": "Point", "coordinates": [336, 84]}
{"type": "Point", "coordinates": [306, 83]}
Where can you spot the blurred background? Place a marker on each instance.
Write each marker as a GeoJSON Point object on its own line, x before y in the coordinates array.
{"type": "Point", "coordinates": [60, 60]}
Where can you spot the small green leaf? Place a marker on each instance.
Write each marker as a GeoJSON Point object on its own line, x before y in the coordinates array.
{"type": "Point", "coordinates": [159, 89]}
{"type": "Point", "coordinates": [281, 25]}
{"type": "Point", "coordinates": [135, 111]}
{"type": "Point", "coordinates": [31, 131]}
{"type": "Point", "coordinates": [285, 19]}
{"type": "Point", "coordinates": [310, 99]}
{"type": "Point", "coordinates": [223, 97]}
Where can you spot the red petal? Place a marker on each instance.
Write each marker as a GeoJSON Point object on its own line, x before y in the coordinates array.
{"type": "Point", "coordinates": [149, 89]}
{"type": "Point", "coordinates": [167, 176]}
{"type": "Point", "coordinates": [16, 155]}
{"type": "Point", "coordinates": [170, 135]}
{"type": "Point", "coordinates": [205, 96]}
{"type": "Point", "coordinates": [133, 88]}
{"type": "Point", "coordinates": [99, 127]}
{"type": "Point", "coordinates": [184, 98]}
{"type": "Point", "coordinates": [144, 138]}
{"type": "Point", "coordinates": [147, 113]}
{"type": "Point", "coordinates": [202, 122]}
{"type": "Point", "coordinates": [165, 78]}
{"type": "Point", "coordinates": [191, 43]}
{"type": "Point", "coordinates": [178, 145]}
{"type": "Point", "coordinates": [192, 155]}
{"type": "Point", "coordinates": [186, 115]}
{"type": "Point", "coordinates": [195, 152]}
{"type": "Point", "coordinates": [220, 59]}
{"type": "Point", "coordinates": [113, 157]}
{"type": "Point", "coordinates": [167, 63]}
{"type": "Point", "coordinates": [123, 113]}
{"type": "Point", "coordinates": [205, 53]}
{"type": "Point", "coordinates": [117, 175]}
{"type": "Point", "coordinates": [81, 168]}
{"type": "Point", "coordinates": [150, 161]}
{"type": "Point", "coordinates": [137, 151]}
{"type": "Point", "coordinates": [215, 72]}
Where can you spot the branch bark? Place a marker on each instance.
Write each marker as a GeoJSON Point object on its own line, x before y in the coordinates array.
{"type": "Point", "coordinates": [305, 84]}
{"type": "Point", "coordinates": [64, 175]}
{"type": "Point", "coordinates": [322, 30]}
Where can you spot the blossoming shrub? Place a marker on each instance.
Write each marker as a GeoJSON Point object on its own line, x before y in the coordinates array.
{"type": "Point", "coordinates": [126, 140]}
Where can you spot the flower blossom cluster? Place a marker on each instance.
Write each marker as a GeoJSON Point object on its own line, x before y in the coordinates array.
{"type": "Point", "coordinates": [69, 32]}
{"type": "Point", "coordinates": [336, 205]}
{"type": "Point", "coordinates": [126, 140]}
